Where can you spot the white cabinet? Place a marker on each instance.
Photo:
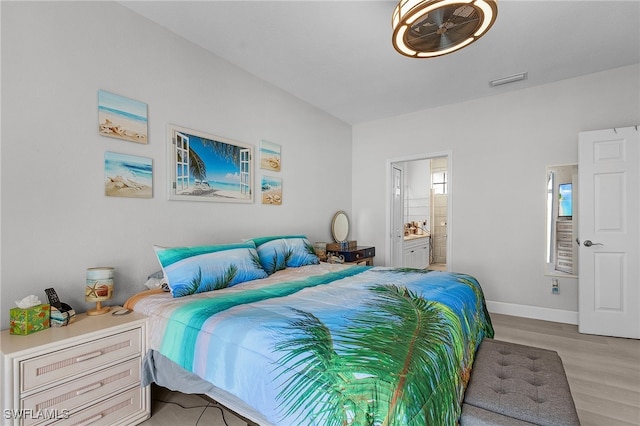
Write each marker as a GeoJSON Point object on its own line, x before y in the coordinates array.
{"type": "Point", "coordinates": [416, 252]}
{"type": "Point", "coordinates": [86, 373]}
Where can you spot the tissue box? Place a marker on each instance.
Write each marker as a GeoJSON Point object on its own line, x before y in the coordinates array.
{"type": "Point", "coordinates": [30, 320]}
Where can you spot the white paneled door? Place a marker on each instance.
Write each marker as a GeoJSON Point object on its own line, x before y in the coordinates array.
{"type": "Point", "coordinates": [609, 232]}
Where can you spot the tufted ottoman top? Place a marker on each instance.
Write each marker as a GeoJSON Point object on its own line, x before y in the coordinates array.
{"type": "Point", "coordinates": [521, 382]}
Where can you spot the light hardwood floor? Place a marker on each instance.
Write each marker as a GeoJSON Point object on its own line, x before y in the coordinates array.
{"type": "Point", "coordinates": [603, 373]}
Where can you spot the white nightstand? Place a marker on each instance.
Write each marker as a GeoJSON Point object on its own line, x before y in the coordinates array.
{"type": "Point", "coordinates": [87, 373]}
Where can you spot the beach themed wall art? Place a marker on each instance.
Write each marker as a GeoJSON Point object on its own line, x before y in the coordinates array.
{"type": "Point", "coordinates": [269, 156]}
{"type": "Point", "coordinates": [128, 176]}
{"type": "Point", "coordinates": [208, 168]}
{"type": "Point", "coordinates": [122, 118]}
{"type": "Point", "coordinates": [271, 190]}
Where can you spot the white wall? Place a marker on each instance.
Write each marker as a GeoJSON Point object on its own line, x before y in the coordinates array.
{"type": "Point", "coordinates": [56, 221]}
{"type": "Point", "coordinates": [500, 147]}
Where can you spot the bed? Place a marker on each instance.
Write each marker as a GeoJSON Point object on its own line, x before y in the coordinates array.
{"type": "Point", "coordinates": [321, 344]}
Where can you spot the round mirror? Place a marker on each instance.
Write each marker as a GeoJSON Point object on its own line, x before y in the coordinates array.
{"type": "Point", "coordinates": [340, 226]}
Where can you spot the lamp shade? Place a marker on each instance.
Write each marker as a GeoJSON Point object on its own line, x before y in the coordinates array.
{"type": "Point", "coordinates": [430, 28]}
{"type": "Point", "coordinates": [98, 288]}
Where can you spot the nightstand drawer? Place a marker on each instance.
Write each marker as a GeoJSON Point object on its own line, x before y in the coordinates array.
{"type": "Point", "coordinates": [565, 245]}
{"type": "Point", "coordinates": [72, 395]}
{"type": "Point", "coordinates": [108, 412]}
{"type": "Point", "coordinates": [55, 366]}
{"type": "Point", "coordinates": [564, 226]}
{"type": "Point", "coordinates": [357, 254]}
{"type": "Point", "coordinates": [370, 252]}
{"type": "Point", "coordinates": [564, 236]}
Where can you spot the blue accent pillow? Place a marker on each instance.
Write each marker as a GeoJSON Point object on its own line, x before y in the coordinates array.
{"type": "Point", "coordinates": [279, 252]}
{"type": "Point", "coordinates": [198, 269]}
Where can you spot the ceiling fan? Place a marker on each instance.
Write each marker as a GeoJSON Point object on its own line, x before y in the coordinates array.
{"type": "Point", "coordinates": [436, 27]}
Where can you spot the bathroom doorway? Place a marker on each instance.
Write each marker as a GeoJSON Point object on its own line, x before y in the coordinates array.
{"type": "Point", "coordinates": [419, 213]}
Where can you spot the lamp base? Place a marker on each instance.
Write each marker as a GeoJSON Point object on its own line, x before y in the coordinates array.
{"type": "Point", "coordinates": [99, 309]}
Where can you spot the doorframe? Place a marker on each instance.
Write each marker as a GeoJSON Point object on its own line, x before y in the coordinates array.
{"type": "Point", "coordinates": [388, 192]}
{"type": "Point", "coordinates": [392, 214]}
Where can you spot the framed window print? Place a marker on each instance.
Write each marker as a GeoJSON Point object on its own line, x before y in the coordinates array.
{"type": "Point", "coordinates": [205, 167]}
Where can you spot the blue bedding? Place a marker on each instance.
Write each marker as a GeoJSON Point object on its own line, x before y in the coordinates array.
{"type": "Point", "coordinates": [353, 346]}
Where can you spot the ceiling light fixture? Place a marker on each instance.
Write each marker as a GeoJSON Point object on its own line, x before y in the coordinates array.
{"type": "Point", "coordinates": [429, 28]}
{"type": "Point", "coordinates": [509, 79]}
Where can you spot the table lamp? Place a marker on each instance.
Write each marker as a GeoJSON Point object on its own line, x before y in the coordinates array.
{"type": "Point", "coordinates": [99, 287]}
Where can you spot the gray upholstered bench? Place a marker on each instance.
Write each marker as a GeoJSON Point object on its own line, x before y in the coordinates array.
{"type": "Point", "coordinates": [517, 385]}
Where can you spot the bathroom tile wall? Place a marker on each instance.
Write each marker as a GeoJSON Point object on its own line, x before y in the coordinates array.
{"type": "Point", "coordinates": [439, 219]}
{"type": "Point", "coordinates": [439, 229]}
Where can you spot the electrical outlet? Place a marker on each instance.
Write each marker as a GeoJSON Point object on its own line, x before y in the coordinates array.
{"type": "Point", "coordinates": [555, 286]}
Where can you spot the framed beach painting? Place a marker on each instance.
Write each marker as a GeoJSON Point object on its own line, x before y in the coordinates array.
{"type": "Point", "coordinates": [270, 156]}
{"type": "Point", "coordinates": [271, 190]}
{"type": "Point", "coordinates": [205, 167]}
{"type": "Point", "coordinates": [128, 176]}
{"type": "Point", "coordinates": [122, 118]}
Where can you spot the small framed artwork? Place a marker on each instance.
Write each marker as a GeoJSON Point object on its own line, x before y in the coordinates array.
{"type": "Point", "coordinates": [269, 156]}
{"type": "Point", "coordinates": [205, 167]}
{"type": "Point", "coordinates": [128, 176]}
{"type": "Point", "coordinates": [271, 190]}
{"type": "Point", "coordinates": [122, 118]}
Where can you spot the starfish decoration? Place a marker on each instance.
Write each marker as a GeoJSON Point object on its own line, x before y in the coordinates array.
{"type": "Point", "coordinates": [92, 290]}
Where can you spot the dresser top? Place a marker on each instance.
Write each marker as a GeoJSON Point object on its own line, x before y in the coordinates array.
{"type": "Point", "coordinates": [78, 329]}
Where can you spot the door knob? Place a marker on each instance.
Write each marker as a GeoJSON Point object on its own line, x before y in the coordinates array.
{"type": "Point", "coordinates": [588, 243]}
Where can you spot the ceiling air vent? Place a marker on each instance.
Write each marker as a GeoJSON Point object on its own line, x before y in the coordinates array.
{"type": "Point", "coordinates": [509, 79]}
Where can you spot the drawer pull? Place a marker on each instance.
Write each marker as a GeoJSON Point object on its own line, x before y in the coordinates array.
{"type": "Point", "coordinates": [88, 356]}
{"type": "Point", "coordinates": [89, 388]}
{"type": "Point", "coordinates": [90, 420]}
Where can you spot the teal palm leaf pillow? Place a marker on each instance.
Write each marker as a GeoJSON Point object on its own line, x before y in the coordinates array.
{"type": "Point", "coordinates": [288, 251]}
{"type": "Point", "coordinates": [198, 269]}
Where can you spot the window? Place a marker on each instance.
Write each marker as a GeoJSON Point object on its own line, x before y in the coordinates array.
{"type": "Point", "coordinates": [182, 162]}
{"type": "Point", "coordinates": [439, 182]}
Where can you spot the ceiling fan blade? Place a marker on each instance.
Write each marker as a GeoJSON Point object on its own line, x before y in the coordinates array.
{"type": "Point", "coordinates": [464, 11]}
{"type": "Point", "coordinates": [437, 17]}
{"type": "Point", "coordinates": [446, 41]}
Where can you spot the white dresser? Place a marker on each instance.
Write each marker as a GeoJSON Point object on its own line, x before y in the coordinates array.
{"type": "Point", "coordinates": [87, 373]}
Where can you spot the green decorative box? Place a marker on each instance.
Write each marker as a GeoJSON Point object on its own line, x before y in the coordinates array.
{"type": "Point", "coordinates": [30, 320]}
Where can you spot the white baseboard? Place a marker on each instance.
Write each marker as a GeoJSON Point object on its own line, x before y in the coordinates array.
{"type": "Point", "coordinates": [535, 312]}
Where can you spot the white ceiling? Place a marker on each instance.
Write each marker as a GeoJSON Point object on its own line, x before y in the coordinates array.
{"type": "Point", "coordinates": [337, 55]}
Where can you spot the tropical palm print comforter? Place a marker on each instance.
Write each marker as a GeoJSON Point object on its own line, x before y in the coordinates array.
{"type": "Point", "coordinates": [339, 346]}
